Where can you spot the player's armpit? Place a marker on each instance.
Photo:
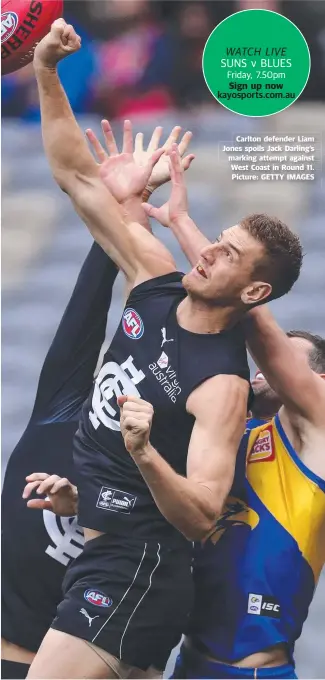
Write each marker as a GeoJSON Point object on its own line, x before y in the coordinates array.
{"type": "Point", "coordinates": [285, 366]}
{"type": "Point", "coordinates": [220, 409]}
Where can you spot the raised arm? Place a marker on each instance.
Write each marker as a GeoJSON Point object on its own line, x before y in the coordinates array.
{"type": "Point", "coordinates": [194, 503]}
{"type": "Point", "coordinates": [285, 367]}
{"type": "Point", "coordinates": [72, 163]}
{"type": "Point", "coordinates": [174, 213]}
{"type": "Point", "coordinates": [68, 370]}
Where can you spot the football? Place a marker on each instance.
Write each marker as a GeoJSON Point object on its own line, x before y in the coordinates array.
{"type": "Point", "coordinates": [23, 24]}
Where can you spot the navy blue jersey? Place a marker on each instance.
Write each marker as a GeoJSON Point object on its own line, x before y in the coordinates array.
{"type": "Point", "coordinates": [150, 357]}
{"type": "Point", "coordinates": [36, 546]}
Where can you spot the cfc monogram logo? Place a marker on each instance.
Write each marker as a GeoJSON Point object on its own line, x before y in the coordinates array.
{"type": "Point", "coordinates": [112, 381]}
{"type": "Point", "coordinates": [66, 535]}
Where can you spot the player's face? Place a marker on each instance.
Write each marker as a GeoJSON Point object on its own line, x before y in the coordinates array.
{"type": "Point", "coordinates": [224, 274]}
{"type": "Point", "coordinates": [262, 389]}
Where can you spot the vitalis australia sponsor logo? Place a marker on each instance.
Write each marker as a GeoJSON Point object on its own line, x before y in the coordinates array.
{"type": "Point", "coordinates": [166, 376]}
{"type": "Point", "coordinates": [66, 535]}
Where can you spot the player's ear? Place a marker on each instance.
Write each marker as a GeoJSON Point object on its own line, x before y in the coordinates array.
{"type": "Point", "coordinates": [256, 292]}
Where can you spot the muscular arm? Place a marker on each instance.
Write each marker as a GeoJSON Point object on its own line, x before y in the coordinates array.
{"type": "Point", "coordinates": [193, 504]}
{"type": "Point", "coordinates": [285, 367]}
{"type": "Point", "coordinates": [76, 172]}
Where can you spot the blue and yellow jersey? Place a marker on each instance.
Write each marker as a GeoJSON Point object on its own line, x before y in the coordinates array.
{"type": "Point", "coordinates": [255, 576]}
{"type": "Point", "coordinates": [252, 422]}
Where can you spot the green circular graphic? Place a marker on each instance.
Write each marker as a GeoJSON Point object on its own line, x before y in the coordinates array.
{"type": "Point", "coordinates": [256, 62]}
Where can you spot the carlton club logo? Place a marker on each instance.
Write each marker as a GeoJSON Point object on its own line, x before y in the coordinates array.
{"type": "Point", "coordinates": [236, 513]}
{"type": "Point", "coordinates": [9, 23]}
{"type": "Point", "coordinates": [97, 598]}
{"type": "Point", "coordinates": [132, 324]}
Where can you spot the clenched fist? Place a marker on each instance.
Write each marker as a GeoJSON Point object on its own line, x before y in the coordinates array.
{"type": "Point", "coordinates": [61, 41]}
{"type": "Point", "coordinates": [136, 421]}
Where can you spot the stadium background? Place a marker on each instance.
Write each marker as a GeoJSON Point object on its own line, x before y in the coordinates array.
{"type": "Point", "coordinates": [142, 60]}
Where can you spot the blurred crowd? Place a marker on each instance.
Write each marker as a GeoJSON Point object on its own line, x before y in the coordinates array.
{"type": "Point", "coordinates": [144, 56]}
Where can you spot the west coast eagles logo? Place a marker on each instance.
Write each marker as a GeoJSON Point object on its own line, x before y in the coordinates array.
{"type": "Point", "coordinates": [236, 513]}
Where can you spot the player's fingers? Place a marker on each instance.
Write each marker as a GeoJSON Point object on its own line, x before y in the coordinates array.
{"type": "Point", "coordinates": [58, 27]}
{"type": "Point", "coordinates": [37, 476]}
{"type": "Point", "coordinates": [69, 36]}
{"type": "Point", "coordinates": [127, 137]}
{"type": "Point", "coordinates": [137, 411]}
{"type": "Point", "coordinates": [29, 488]}
{"type": "Point", "coordinates": [46, 486]}
{"type": "Point", "coordinates": [131, 398]}
{"type": "Point", "coordinates": [155, 139]}
{"type": "Point", "coordinates": [187, 160]}
{"type": "Point", "coordinates": [155, 158]}
{"type": "Point", "coordinates": [109, 138]}
{"type": "Point", "coordinates": [176, 165]}
{"type": "Point", "coordinates": [184, 142]}
{"type": "Point", "coordinates": [141, 406]}
{"type": "Point", "coordinates": [121, 401]}
{"type": "Point", "coordinates": [150, 210]}
{"type": "Point", "coordinates": [39, 504]}
{"type": "Point", "coordinates": [140, 424]}
{"type": "Point", "coordinates": [99, 151]}
{"type": "Point", "coordinates": [59, 485]}
{"type": "Point", "coordinates": [138, 143]}
{"type": "Point", "coordinates": [173, 137]}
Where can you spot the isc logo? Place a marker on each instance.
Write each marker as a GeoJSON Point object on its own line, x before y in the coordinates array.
{"type": "Point", "coordinates": [263, 605]}
{"type": "Point", "coordinates": [9, 22]}
{"type": "Point", "coordinates": [271, 607]}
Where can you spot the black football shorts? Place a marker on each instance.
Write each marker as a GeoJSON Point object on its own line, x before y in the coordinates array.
{"type": "Point", "coordinates": [130, 597]}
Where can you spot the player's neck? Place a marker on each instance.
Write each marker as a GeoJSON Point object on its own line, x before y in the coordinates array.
{"type": "Point", "coordinates": [263, 411]}
{"type": "Point", "coordinates": [198, 317]}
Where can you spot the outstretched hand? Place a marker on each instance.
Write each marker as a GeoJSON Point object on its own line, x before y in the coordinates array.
{"type": "Point", "coordinates": [176, 207]}
{"type": "Point", "coordinates": [124, 177]}
{"type": "Point", "coordinates": [161, 170]}
{"type": "Point", "coordinates": [62, 496]}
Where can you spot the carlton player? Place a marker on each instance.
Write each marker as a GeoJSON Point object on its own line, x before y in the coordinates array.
{"type": "Point", "coordinates": [256, 574]}
{"type": "Point", "coordinates": [230, 552]}
{"type": "Point", "coordinates": [134, 576]}
{"type": "Point", "coordinates": [30, 597]}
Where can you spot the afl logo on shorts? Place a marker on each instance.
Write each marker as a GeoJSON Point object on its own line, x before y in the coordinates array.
{"type": "Point", "coordinates": [132, 324]}
{"type": "Point", "coordinates": [9, 23]}
{"type": "Point", "coordinates": [97, 598]}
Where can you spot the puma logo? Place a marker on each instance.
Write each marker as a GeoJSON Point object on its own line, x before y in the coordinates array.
{"type": "Point", "coordinates": [164, 339]}
{"type": "Point", "coordinates": [90, 619]}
